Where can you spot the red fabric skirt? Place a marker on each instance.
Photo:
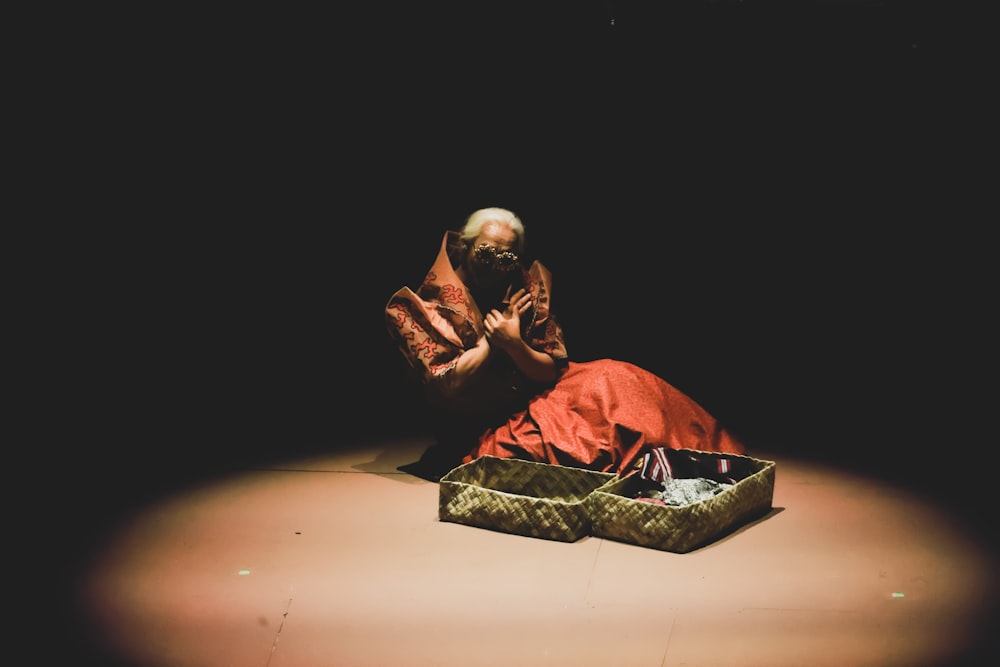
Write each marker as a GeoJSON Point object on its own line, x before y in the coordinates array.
{"type": "Point", "coordinates": [603, 415]}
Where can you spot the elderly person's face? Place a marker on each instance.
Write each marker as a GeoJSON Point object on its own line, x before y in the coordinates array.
{"type": "Point", "coordinates": [491, 256]}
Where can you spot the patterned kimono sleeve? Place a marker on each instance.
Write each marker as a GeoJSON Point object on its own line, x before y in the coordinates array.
{"type": "Point", "coordinates": [544, 332]}
{"type": "Point", "coordinates": [551, 342]}
{"type": "Point", "coordinates": [421, 335]}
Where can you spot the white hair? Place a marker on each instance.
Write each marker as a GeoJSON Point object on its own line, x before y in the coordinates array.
{"type": "Point", "coordinates": [475, 222]}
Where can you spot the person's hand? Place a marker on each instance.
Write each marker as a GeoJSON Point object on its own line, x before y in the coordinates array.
{"type": "Point", "coordinates": [519, 302]}
{"type": "Point", "coordinates": [503, 328]}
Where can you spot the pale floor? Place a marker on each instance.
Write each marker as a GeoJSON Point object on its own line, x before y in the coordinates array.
{"type": "Point", "coordinates": [340, 560]}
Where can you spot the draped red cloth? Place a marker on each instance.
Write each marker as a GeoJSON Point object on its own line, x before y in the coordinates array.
{"type": "Point", "coordinates": [604, 415]}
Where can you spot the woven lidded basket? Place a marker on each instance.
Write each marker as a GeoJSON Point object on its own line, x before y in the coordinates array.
{"type": "Point", "coordinates": [616, 514]}
{"type": "Point", "coordinates": [520, 497]}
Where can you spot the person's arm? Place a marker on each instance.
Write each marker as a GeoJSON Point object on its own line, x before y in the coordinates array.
{"type": "Point", "coordinates": [503, 330]}
{"type": "Point", "coordinates": [468, 365]}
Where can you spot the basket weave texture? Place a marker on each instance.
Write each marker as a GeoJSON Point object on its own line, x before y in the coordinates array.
{"type": "Point", "coordinates": [520, 497]}
{"type": "Point", "coordinates": [616, 515]}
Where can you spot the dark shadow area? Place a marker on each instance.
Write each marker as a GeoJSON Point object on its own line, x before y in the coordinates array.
{"type": "Point", "coordinates": [433, 464]}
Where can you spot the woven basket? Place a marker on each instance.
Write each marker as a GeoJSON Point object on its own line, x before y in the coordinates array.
{"type": "Point", "coordinates": [616, 515]}
{"type": "Point", "coordinates": [520, 497]}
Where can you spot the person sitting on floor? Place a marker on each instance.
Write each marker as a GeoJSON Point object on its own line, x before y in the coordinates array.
{"type": "Point", "coordinates": [481, 337]}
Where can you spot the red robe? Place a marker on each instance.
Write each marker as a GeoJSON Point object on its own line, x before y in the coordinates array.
{"type": "Point", "coordinates": [600, 415]}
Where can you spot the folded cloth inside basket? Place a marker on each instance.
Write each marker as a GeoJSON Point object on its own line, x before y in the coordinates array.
{"type": "Point", "coordinates": [686, 491]}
